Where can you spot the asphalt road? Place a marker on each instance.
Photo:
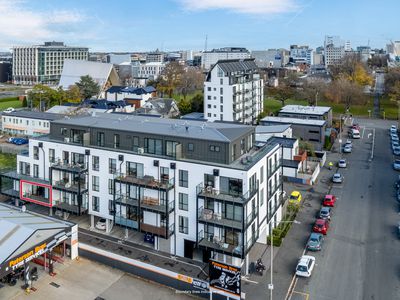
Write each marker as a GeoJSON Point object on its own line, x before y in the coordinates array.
{"type": "Point", "coordinates": [379, 89]}
{"type": "Point", "coordinates": [360, 256]}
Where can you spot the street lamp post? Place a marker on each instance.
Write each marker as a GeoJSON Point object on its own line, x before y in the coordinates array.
{"type": "Point", "coordinates": [271, 284]}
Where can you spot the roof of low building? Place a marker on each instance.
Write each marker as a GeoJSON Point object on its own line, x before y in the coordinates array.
{"type": "Point", "coordinates": [285, 142]}
{"type": "Point", "coordinates": [131, 90]}
{"type": "Point", "coordinates": [47, 116]}
{"type": "Point", "coordinates": [297, 121]}
{"type": "Point", "coordinates": [288, 163]}
{"type": "Point", "coordinates": [22, 230]}
{"type": "Point", "coordinates": [223, 132]}
{"type": "Point", "coordinates": [307, 110]}
{"type": "Point", "coordinates": [162, 106]}
{"type": "Point", "coordinates": [272, 128]}
{"type": "Point", "coordinates": [194, 116]}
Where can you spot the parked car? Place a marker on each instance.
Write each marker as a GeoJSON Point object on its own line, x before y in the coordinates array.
{"type": "Point", "coordinates": [101, 224]}
{"type": "Point", "coordinates": [349, 143]}
{"type": "Point", "coordinates": [342, 163]}
{"type": "Point", "coordinates": [305, 266]}
{"type": "Point", "coordinates": [395, 144]}
{"type": "Point", "coordinates": [321, 226]}
{"type": "Point", "coordinates": [17, 141]}
{"type": "Point", "coordinates": [295, 197]}
{"type": "Point", "coordinates": [396, 164]}
{"type": "Point", "coordinates": [356, 126]}
{"type": "Point", "coordinates": [329, 200]}
{"type": "Point", "coordinates": [315, 242]}
{"type": "Point", "coordinates": [394, 137]}
{"type": "Point", "coordinates": [396, 150]}
{"type": "Point", "coordinates": [338, 178]}
{"type": "Point", "coordinates": [393, 129]}
{"type": "Point", "coordinates": [355, 133]}
{"type": "Point", "coordinates": [9, 110]}
{"type": "Point", "coordinates": [347, 149]}
{"type": "Point", "coordinates": [325, 213]}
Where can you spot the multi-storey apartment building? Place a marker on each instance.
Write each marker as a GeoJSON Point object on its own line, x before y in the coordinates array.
{"type": "Point", "coordinates": [210, 58]}
{"type": "Point", "coordinates": [233, 91]}
{"type": "Point", "coordinates": [334, 50]}
{"type": "Point", "coordinates": [301, 55]}
{"type": "Point", "coordinates": [43, 63]}
{"type": "Point", "coordinates": [200, 189]}
{"type": "Point", "coordinates": [151, 70]}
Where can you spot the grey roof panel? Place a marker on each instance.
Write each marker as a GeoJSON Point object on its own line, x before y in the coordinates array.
{"type": "Point", "coordinates": [34, 115]}
{"type": "Point", "coordinates": [237, 65]}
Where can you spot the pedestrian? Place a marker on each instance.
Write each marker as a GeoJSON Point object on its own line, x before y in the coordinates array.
{"type": "Point", "coordinates": [330, 165]}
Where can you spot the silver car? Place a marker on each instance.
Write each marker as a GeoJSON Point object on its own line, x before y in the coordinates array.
{"type": "Point", "coordinates": [347, 149]}
{"type": "Point", "coordinates": [338, 178]}
{"type": "Point", "coordinates": [396, 165]}
{"type": "Point", "coordinates": [342, 163]}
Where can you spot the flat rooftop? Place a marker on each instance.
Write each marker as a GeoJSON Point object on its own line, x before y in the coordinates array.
{"type": "Point", "coordinates": [33, 115]}
{"type": "Point", "coordinates": [306, 110]}
{"type": "Point", "coordinates": [297, 121]}
{"type": "Point", "coordinates": [272, 128]}
{"type": "Point", "coordinates": [223, 132]}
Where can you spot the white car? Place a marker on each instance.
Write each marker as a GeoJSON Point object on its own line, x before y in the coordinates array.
{"type": "Point", "coordinates": [355, 134]}
{"type": "Point", "coordinates": [347, 149]}
{"type": "Point", "coordinates": [393, 129]}
{"type": "Point", "coordinates": [394, 137]}
{"type": "Point", "coordinates": [349, 143]}
{"type": "Point", "coordinates": [305, 266]}
{"type": "Point", "coordinates": [9, 110]}
{"type": "Point", "coordinates": [337, 178]}
{"type": "Point", "coordinates": [342, 163]}
{"type": "Point", "coordinates": [396, 165]}
{"type": "Point", "coordinates": [101, 224]}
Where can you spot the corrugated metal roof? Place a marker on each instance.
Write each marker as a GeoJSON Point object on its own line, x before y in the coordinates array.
{"type": "Point", "coordinates": [237, 65]}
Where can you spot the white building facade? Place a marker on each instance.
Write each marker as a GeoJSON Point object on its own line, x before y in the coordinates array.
{"type": "Point", "coordinates": [301, 54]}
{"type": "Point", "coordinates": [233, 91]}
{"type": "Point", "coordinates": [334, 50]}
{"type": "Point", "coordinates": [210, 58]}
{"type": "Point", "coordinates": [43, 63]}
{"type": "Point", "coordinates": [200, 192]}
{"type": "Point", "coordinates": [151, 70]}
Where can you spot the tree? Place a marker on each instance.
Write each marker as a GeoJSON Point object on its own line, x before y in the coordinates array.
{"type": "Point", "coordinates": [42, 96]}
{"type": "Point", "coordinates": [281, 93]}
{"type": "Point", "coordinates": [345, 91]}
{"type": "Point", "coordinates": [185, 107]}
{"type": "Point", "coordinates": [170, 78]}
{"type": "Point", "coordinates": [353, 68]}
{"type": "Point", "coordinates": [312, 90]}
{"type": "Point", "coordinates": [192, 80]}
{"type": "Point", "coordinates": [88, 87]}
{"type": "Point", "coordinates": [197, 103]}
{"type": "Point", "coordinates": [73, 94]}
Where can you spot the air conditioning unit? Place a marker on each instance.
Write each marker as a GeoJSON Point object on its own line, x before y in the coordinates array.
{"type": "Point", "coordinates": [66, 139]}
{"type": "Point", "coordinates": [140, 150]}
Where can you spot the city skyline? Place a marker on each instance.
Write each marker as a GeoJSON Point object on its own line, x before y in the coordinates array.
{"type": "Point", "coordinates": [184, 24]}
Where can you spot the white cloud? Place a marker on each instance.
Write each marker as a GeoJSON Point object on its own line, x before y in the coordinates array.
{"type": "Point", "coordinates": [20, 25]}
{"type": "Point", "coordinates": [258, 7]}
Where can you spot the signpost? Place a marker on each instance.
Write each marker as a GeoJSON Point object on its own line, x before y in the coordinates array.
{"type": "Point", "coordinates": [225, 279]}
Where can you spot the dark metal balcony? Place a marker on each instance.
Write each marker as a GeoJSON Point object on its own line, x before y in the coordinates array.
{"type": "Point", "coordinates": [146, 181]}
{"type": "Point", "coordinates": [210, 192]}
{"type": "Point", "coordinates": [70, 187]}
{"type": "Point", "coordinates": [161, 231]}
{"type": "Point", "coordinates": [18, 176]}
{"type": "Point", "coordinates": [214, 243]}
{"type": "Point", "coordinates": [208, 216]}
{"type": "Point", "coordinates": [69, 167]}
{"type": "Point", "coordinates": [64, 206]}
{"type": "Point", "coordinates": [125, 200]}
{"type": "Point", "coordinates": [154, 204]}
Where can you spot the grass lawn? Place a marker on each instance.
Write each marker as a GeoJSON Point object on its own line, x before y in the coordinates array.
{"type": "Point", "coordinates": [389, 107]}
{"type": "Point", "coordinates": [272, 105]}
{"type": "Point", "coordinates": [179, 97]}
{"type": "Point", "coordinates": [7, 104]}
{"type": "Point", "coordinates": [7, 161]}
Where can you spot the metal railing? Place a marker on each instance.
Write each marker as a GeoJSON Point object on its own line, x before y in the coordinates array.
{"type": "Point", "coordinates": [210, 192]}
{"type": "Point", "coordinates": [208, 216]}
{"type": "Point", "coordinates": [146, 181]}
{"type": "Point", "coordinates": [212, 241]}
{"type": "Point", "coordinates": [64, 165]}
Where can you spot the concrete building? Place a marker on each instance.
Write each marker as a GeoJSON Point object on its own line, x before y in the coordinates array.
{"type": "Point", "coordinates": [151, 70]}
{"type": "Point", "coordinates": [307, 112]}
{"type": "Point", "coordinates": [334, 50]}
{"type": "Point", "coordinates": [30, 123]}
{"type": "Point", "coordinates": [301, 55]}
{"type": "Point", "coordinates": [264, 133]}
{"type": "Point", "coordinates": [210, 58]}
{"type": "Point", "coordinates": [155, 57]}
{"type": "Point", "coordinates": [163, 107]}
{"type": "Point", "coordinates": [43, 63]}
{"type": "Point", "coordinates": [200, 190]}
{"type": "Point", "coordinates": [133, 95]}
{"type": "Point", "coordinates": [305, 129]}
{"type": "Point", "coordinates": [271, 58]}
{"type": "Point", "coordinates": [233, 91]}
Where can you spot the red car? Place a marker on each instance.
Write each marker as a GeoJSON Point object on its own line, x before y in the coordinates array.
{"type": "Point", "coordinates": [329, 200]}
{"type": "Point", "coordinates": [356, 126]}
{"type": "Point", "coordinates": [321, 226]}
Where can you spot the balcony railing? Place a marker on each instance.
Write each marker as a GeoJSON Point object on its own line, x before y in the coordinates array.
{"type": "Point", "coordinates": [210, 241]}
{"type": "Point", "coordinates": [251, 241]}
{"type": "Point", "coordinates": [70, 187]}
{"type": "Point", "coordinates": [210, 192]}
{"type": "Point", "coordinates": [72, 208]}
{"type": "Point", "coordinates": [62, 165]}
{"type": "Point", "coordinates": [123, 221]}
{"type": "Point", "coordinates": [162, 231]}
{"type": "Point", "coordinates": [124, 199]}
{"type": "Point", "coordinates": [146, 181]}
{"type": "Point", "coordinates": [19, 176]}
{"type": "Point", "coordinates": [151, 203]}
{"type": "Point", "coordinates": [208, 216]}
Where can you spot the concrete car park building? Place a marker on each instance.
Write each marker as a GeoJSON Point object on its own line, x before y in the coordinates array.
{"type": "Point", "coordinates": [233, 91]}
{"type": "Point", "coordinates": [200, 190]}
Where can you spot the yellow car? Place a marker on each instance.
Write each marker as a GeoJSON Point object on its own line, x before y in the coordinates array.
{"type": "Point", "coordinates": [295, 197]}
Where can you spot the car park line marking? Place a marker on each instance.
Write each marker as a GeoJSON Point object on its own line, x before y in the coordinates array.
{"type": "Point", "coordinates": [294, 281]}
{"type": "Point", "coordinates": [306, 295]}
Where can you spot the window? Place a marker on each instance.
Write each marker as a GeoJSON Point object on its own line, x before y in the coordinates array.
{"type": "Point", "coordinates": [95, 183]}
{"type": "Point", "coordinates": [111, 186]}
{"type": "Point", "coordinates": [24, 168]}
{"type": "Point", "coordinates": [95, 163]}
{"type": "Point", "coordinates": [221, 81]}
{"type": "Point", "coordinates": [36, 171]}
{"type": "Point", "coordinates": [95, 203]}
{"type": "Point", "coordinates": [183, 225]}
{"type": "Point", "coordinates": [209, 115]}
{"type": "Point", "coordinates": [183, 201]}
{"type": "Point", "coordinates": [222, 108]}
{"type": "Point", "coordinates": [313, 131]}
{"type": "Point", "coordinates": [190, 147]}
{"type": "Point", "coordinates": [64, 131]}
{"type": "Point", "coordinates": [100, 139]}
{"type": "Point", "coordinates": [208, 97]}
{"type": "Point", "coordinates": [134, 169]}
{"type": "Point", "coordinates": [253, 182]}
{"type": "Point", "coordinates": [262, 174]}
{"type": "Point", "coordinates": [232, 212]}
{"type": "Point", "coordinates": [214, 148]}
{"type": "Point", "coordinates": [183, 178]}
{"type": "Point", "coordinates": [221, 91]}
{"type": "Point", "coordinates": [222, 100]}
{"type": "Point", "coordinates": [153, 146]}
{"type": "Point", "coordinates": [170, 148]}
{"type": "Point", "coordinates": [52, 156]}
{"type": "Point", "coordinates": [209, 89]}
{"type": "Point", "coordinates": [35, 152]}
{"type": "Point", "coordinates": [135, 143]}
{"type": "Point", "coordinates": [112, 165]}
{"type": "Point", "coordinates": [116, 140]}
{"type": "Point", "coordinates": [262, 197]}
{"type": "Point", "coordinates": [208, 105]}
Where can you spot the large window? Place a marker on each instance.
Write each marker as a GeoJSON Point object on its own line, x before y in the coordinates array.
{"type": "Point", "coordinates": [52, 156]}
{"type": "Point", "coordinates": [100, 139]}
{"type": "Point", "coordinates": [78, 158]}
{"type": "Point", "coordinates": [95, 163]}
{"type": "Point", "coordinates": [183, 225]}
{"type": "Point", "coordinates": [134, 169]}
{"type": "Point", "coordinates": [135, 143]}
{"type": "Point", "coordinates": [183, 178]}
{"type": "Point", "coordinates": [95, 183]}
{"type": "Point", "coordinates": [35, 171]}
{"type": "Point", "coordinates": [232, 212]}
{"type": "Point", "coordinates": [183, 201]}
{"type": "Point", "coordinates": [116, 141]}
{"type": "Point", "coordinates": [231, 186]}
{"type": "Point", "coordinates": [65, 157]}
{"type": "Point", "coordinates": [95, 203]}
{"type": "Point", "coordinates": [170, 148]}
{"type": "Point", "coordinates": [112, 165]}
{"type": "Point", "coordinates": [111, 186]}
{"type": "Point", "coordinates": [153, 146]}
{"type": "Point", "coordinates": [35, 152]}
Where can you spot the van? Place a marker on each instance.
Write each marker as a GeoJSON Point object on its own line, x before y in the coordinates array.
{"type": "Point", "coordinates": [355, 134]}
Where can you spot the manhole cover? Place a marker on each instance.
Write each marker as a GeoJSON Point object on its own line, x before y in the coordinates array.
{"type": "Point", "coordinates": [54, 284]}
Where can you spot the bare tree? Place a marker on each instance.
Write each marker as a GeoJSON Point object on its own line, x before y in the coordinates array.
{"type": "Point", "coordinates": [170, 78]}
{"type": "Point", "coordinates": [192, 80]}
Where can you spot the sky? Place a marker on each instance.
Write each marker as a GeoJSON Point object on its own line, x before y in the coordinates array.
{"type": "Point", "coordinates": [169, 25]}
